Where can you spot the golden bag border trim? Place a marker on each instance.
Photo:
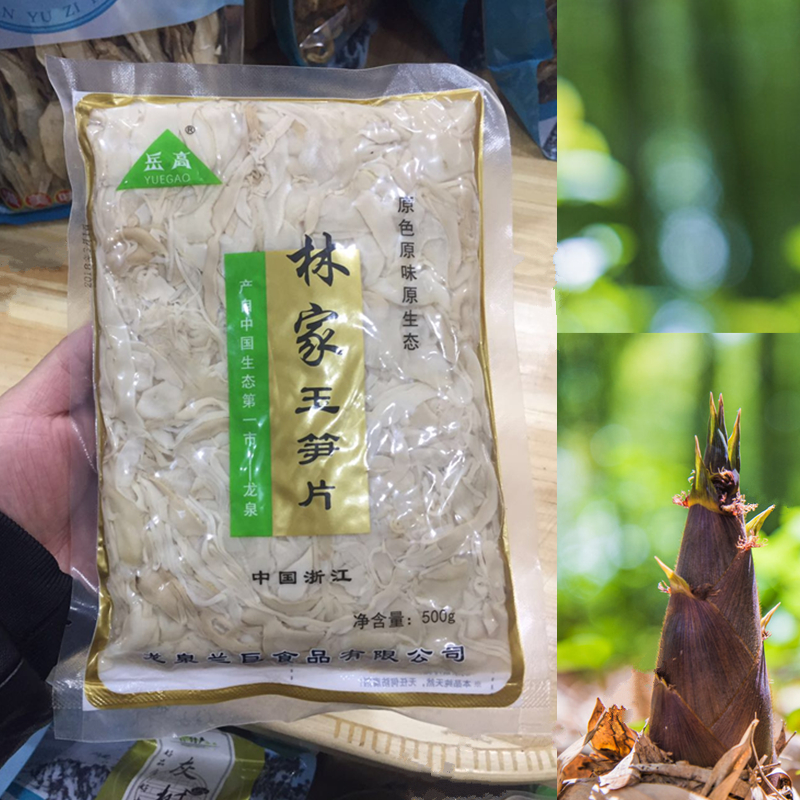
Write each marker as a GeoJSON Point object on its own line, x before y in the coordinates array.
{"type": "Point", "coordinates": [97, 693]}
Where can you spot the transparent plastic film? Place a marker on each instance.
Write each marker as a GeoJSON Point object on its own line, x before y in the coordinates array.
{"type": "Point", "coordinates": [299, 494]}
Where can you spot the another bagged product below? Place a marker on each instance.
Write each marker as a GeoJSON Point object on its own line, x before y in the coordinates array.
{"type": "Point", "coordinates": [292, 278]}
{"type": "Point", "coordinates": [33, 174]}
{"type": "Point", "coordinates": [214, 765]}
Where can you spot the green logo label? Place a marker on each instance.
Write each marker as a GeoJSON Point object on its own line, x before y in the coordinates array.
{"type": "Point", "coordinates": [168, 162]}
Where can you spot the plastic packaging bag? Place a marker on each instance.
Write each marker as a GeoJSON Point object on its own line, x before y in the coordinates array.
{"type": "Point", "coordinates": [33, 174]}
{"type": "Point", "coordinates": [215, 766]}
{"type": "Point", "coordinates": [299, 506]}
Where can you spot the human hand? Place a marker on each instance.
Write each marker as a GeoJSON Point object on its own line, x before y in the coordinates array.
{"type": "Point", "coordinates": [40, 472]}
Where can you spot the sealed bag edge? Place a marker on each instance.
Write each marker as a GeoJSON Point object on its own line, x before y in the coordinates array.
{"type": "Point", "coordinates": [530, 711]}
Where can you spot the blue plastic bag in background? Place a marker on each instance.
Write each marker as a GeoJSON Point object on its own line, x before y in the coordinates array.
{"type": "Point", "coordinates": [515, 40]}
{"type": "Point", "coordinates": [512, 39]}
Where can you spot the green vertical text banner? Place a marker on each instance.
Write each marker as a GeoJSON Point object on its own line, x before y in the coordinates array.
{"type": "Point", "coordinates": [248, 379]}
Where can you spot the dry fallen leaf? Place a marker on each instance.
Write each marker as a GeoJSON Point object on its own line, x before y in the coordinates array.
{"type": "Point", "coordinates": [624, 774]}
{"type": "Point", "coordinates": [566, 758]}
{"type": "Point", "coordinates": [780, 739]}
{"type": "Point", "coordinates": [599, 708]}
{"type": "Point", "coordinates": [651, 791]}
{"type": "Point", "coordinates": [728, 769]}
{"type": "Point", "coordinates": [624, 765]}
{"type": "Point", "coordinates": [576, 790]}
{"type": "Point", "coordinates": [782, 782]}
{"type": "Point", "coordinates": [613, 737]}
{"type": "Point", "coordinates": [608, 735]}
{"type": "Point", "coordinates": [647, 752]}
{"type": "Point", "coordinates": [587, 766]}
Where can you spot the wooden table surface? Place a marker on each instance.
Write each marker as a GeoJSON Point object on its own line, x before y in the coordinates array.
{"type": "Point", "coordinates": [33, 318]}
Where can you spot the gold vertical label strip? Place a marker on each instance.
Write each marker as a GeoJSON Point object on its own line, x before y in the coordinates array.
{"type": "Point", "coordinates": [316, 385]}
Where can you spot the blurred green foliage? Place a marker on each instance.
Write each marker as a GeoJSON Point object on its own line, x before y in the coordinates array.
{"type": "Point", "coordinates": [677, 170]}
{"type": "Point", "coordinates": [628, 409]}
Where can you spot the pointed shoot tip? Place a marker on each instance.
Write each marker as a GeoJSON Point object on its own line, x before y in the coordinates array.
{"type": "Point", "coordinates": [767, 617]}
{"type": "Point", "coordinates": [733, 442]}
{"type": "Point", "coordinates": [712, 423]}
{"type": "Point", "coordinates": [699, 466]}
{"type": "Point", "coordinates": [676, 583]}
{"type": "Point", "coordinates": [753, 526]}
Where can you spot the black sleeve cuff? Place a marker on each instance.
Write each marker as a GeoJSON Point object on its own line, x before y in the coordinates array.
{"type": "Point", "coordinates": [25, 701]}
{"type": "Point", "coordinates": [34, 604]}
{"type": "Point", "coordinates": [34, 598]}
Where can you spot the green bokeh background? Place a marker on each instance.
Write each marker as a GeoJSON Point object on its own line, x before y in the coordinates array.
{"type": "Point", "coordinates": [678, 169]}
{"type": "Point", "coordinates": [628, 409]}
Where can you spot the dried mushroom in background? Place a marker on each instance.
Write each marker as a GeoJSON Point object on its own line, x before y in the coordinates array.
{"type": "Point", "coordinates": [33, 172]}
